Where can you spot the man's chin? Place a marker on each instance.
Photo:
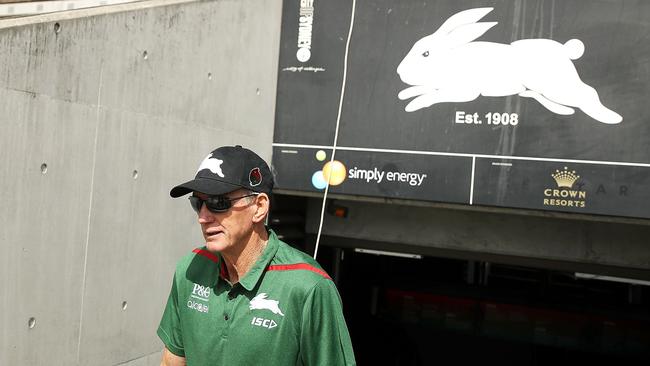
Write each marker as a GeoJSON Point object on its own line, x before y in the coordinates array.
{"type": "Point", "coordinates": [215, 245]}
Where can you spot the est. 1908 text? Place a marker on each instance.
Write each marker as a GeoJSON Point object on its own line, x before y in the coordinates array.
{"type": "Point", "coordinates": [490, 118]}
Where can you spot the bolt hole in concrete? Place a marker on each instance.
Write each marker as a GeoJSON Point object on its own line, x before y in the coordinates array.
{"type": "Point", "coordinates": [209, 76]}
{"type": "Point", "coordinates": [258, 91]}
{"type": "Point", "coordinates": [145, 55]}
{"type": "Point", "coordinates": [31, 323]}
{"type": "Point", "coordinates": [135, 174]}
{"type": "Point", "coordinates": [57, 28]}
{"type": "Point", "coordinates": [43, 168]}
{"type": "Point", "coordinates": [124, 305]}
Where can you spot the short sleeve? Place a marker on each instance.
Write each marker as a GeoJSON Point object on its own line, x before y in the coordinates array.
{"type": "Point", "coordinates": [169, 329]}
{"type": "Point", "coordinates": [324, 338]}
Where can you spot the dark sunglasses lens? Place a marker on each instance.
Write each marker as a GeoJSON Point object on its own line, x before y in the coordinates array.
{"type": "Point", "coordinates": [196, 203]}
{"type": "Point", "coordinates": [218, 204]}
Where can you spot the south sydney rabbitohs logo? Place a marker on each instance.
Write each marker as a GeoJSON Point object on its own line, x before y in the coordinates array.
{"type": "Point", "coordinates": [564, 195]}
{"type": "Point", "coordinates": [305, 22]}
{"type": "Point", "coordinates": [448, 66]}
{"type": "Point", "coordinates": [212, 164]}
{"type": "Point", "coordinates": [260, 302]}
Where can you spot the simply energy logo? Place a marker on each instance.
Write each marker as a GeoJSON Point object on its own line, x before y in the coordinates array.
{"type": "Point", "coordinates": [564, 195]}
{"type": "Point", "coordinates": [336, 173]}
{"type": "Point", "coordinates": [305, 22]}
{"type": "Point", "coordinates": [378, 176]}
{"type": "Point", "coordinates": [333, 172]}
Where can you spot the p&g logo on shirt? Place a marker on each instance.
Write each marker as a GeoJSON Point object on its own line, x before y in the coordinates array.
{"type": "Point", "coordinates": [201, 293]}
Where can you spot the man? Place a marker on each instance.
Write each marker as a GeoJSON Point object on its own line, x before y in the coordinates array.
{"type": "Point", "coordinates": [247, 298]}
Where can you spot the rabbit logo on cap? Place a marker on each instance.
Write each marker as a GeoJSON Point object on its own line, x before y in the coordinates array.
{"type": "Point", "coordinates": [447, 66]}
{"type": "Point", "coordinates": [212, 164]}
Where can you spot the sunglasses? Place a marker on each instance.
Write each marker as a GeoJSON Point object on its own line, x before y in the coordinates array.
{"type": "Point", "coordinates": [215, 204]}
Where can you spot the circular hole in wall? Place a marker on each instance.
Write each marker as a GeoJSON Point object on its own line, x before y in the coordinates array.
{"type": "Point", "coordinates": [43, 168]}
{"type": "Point", "coordinates": [135, 174]}
{"type": "Point", "coordinates": [57, 28]}
{"type": "Point", "coordinates": [124, 305]}
{"type": "Point", "coordinates": [31, 323]}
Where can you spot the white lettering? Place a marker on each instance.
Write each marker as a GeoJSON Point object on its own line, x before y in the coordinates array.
{"type": "Point", "coordinates": [562, 193]}
{"type": "Point", "coordinates": [421, 179]}
{"type": "Point", "coordinates": [201, 291]}
{"type": "Point", "coordinates": [202, 308]}
{"type": "Point", "coordinates": [377, 176]}
{"type": "Point", "coordinates": [266, 323]}
{"type": "Point", "coordinates": [305, 25]}
{"type": "Point", "coordinates": [492, 118]}
{"type": "Point", "coordinates": [564, 203]}
{"type": "Point", "coordinates": [460, 116]}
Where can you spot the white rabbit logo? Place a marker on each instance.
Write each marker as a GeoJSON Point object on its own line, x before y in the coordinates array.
{"type": "Point", "coordinates": [213, 164]}
{"type": "Point", "coordinates": [447, 66]}
{"type": "Point", "coordinates": [260, 302]}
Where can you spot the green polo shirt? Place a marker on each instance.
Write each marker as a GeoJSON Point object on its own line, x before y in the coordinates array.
{"type": "Point", "coordinates": [284, 311]}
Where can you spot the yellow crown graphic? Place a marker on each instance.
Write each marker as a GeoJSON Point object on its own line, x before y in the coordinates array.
{"type": "Point", "coordinates": [565, 178]}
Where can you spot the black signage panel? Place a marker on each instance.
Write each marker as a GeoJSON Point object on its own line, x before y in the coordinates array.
{"type": "Point", "coordinates": [308, 92]}
{"type": "Point", "coordinates": [562, 186]}
{"type": "Point", "coordinates": [457, 85]}
{"type": "Point", "coordinates": [420, 177]}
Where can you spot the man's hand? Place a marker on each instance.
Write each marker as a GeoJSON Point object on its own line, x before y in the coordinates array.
{"type": "Point", "coordinates": [170, 359]}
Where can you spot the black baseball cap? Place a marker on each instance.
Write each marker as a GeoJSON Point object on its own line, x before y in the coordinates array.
{"type": "Point", "coordinates": [227, 169]}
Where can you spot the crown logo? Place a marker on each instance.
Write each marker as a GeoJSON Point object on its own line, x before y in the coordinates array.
{"type": "Point", "coordinates": [565, 178]}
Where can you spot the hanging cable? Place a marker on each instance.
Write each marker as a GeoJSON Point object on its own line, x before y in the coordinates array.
{"type": "Point", "coordinates": [336, 131]}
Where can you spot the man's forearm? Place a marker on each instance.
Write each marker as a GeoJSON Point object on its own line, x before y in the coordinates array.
{"type": "Point", "coordinates": [170, 359]}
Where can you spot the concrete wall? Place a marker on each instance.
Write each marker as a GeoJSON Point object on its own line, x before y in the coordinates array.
{"type": "Point", "coordinates": [102, 111]}
{"type": "Point", "coordinates": [564, 243]}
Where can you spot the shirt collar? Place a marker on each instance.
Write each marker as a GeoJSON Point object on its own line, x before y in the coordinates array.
{"type": "Point", "coordinates": [252, 277]}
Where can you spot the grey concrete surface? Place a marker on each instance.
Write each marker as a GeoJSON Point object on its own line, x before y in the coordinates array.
{"type": "Point", "coordinates": [556, 243]}
{"type": "Point", "coordinates": [148, 360]}
{"type": "Point", "coordinates": [121, 103]}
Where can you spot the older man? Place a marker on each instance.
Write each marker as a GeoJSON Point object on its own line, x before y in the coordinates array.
{"type": "Point", "coordinates": [247, 298]}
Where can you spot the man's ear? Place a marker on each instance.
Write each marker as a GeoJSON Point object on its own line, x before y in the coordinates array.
{"type": "Point", "coordinates": [262, 206]}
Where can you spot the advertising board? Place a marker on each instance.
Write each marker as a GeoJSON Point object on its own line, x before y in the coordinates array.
{"type": "Point", "coordinates": [513, 103]}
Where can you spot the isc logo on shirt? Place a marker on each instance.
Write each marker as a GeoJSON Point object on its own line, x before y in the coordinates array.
{"type": "Point", "coordinates": [266, 323]}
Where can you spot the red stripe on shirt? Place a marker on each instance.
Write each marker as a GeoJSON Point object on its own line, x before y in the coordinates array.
{"type": "Point", "coordinates": [223, 272]}
{"type": "Point", "coordinates": [207, 254]}
{"type": "Point", "coordinates": [303, 266]}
